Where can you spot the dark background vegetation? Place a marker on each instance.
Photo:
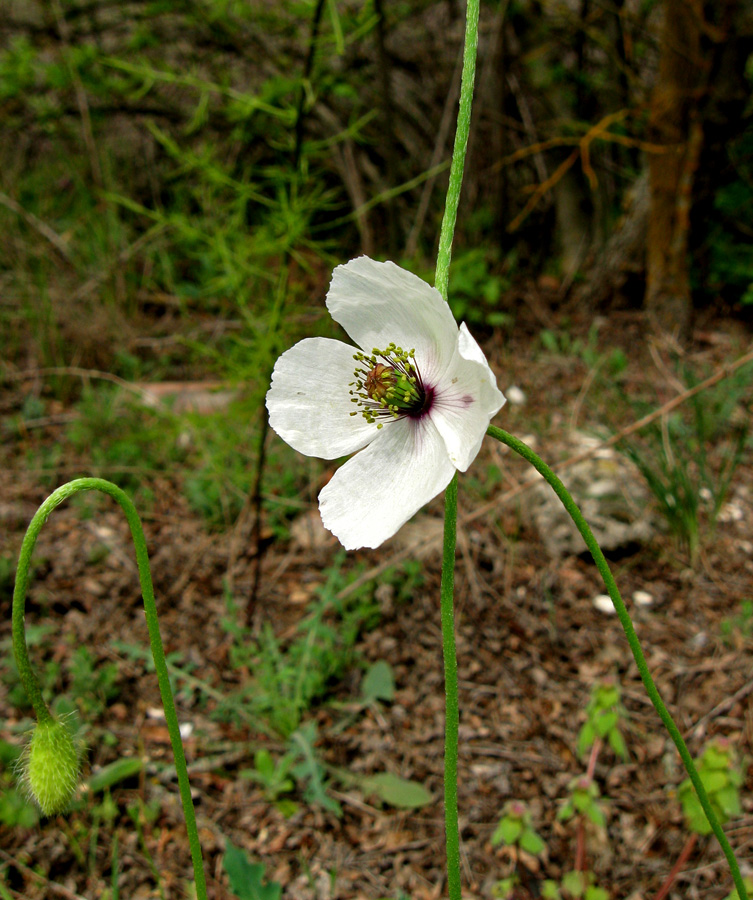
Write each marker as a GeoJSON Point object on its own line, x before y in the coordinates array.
{"type": "Point", "coordinates": [177, 180]}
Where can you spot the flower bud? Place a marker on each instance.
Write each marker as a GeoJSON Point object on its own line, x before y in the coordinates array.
{"type": "Point", "coordinates": [51, 766]}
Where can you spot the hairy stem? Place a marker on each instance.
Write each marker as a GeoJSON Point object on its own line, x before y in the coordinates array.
{"type": "Point", "coordinates": [444, 253]}
{"type": "Point", "coordinates": [627, 625]}
{"type": "Point", "coordinates": [29, 678]}
{"type": "Point", "coordinates": [441, 281]}
{"type": "Point", "coordinates": [452, 831]}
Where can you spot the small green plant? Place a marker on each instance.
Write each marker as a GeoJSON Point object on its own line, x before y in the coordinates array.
{"type": "Point", "coordinates": [721, 775]}
{"type": "Point", "coordinates": [15, 808]}
{"type": "Point", "coordinates": [739, 627]}
{"type": "Point", "coordinates": [584, 800]}
{"type": "Point", "coordinates": [309, 769]}
{"type": "Point", "coordinates": [580, 886]}
{"type": "Point", "coordinates": [275, 778]}
{"type": "Point", "coordinates": [515, 829]}
{"type": "Point", "coordinates": [689, 457]}
{"type": "Point", "coordinates": [93, 686]}
{"type": "Point", "coordinates": [247, 880]}
{"type": "Point", "coordinates": [603, 716]}
{"type": "Point", "coordinates": [288, 678]}
{"type": "Point", "coordinates": [474, 291]}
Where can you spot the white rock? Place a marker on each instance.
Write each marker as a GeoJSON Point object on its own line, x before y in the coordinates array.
{"type": "Point", "coordinates": [515, 395]}
{"type": "Point", "coordinates": [731, 512]}
{"type": "Point", "coordinates": [642, 598]}
{"type": "Point", "coordinates": [603, 602]}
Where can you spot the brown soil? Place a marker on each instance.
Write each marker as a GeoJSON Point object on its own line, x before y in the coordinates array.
{"type": "Point", "coordinates": [530, 648]}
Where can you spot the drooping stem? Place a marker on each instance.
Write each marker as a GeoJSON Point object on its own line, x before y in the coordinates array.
{"type": "Point", "coordinates": [627, 625]}
{"type": "Point", "coordinates": [29, 678]}
{"type": "Point", "coordinates": [452, 831]}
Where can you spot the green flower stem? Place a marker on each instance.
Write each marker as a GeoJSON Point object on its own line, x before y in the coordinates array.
{"type": "Point", "coordinates": [575, 514]}
{"type": "Point", "coordinates": [441, 282]}
{"type": "Point", "coordinates": [444, 253]}
{"type": "Point", "coordinates": [29, 679]}
{"type": "Point", "coordinates": [452, 831]}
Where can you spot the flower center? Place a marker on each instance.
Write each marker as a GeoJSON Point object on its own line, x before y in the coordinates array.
{"type": "Point", "coordinates": [388, 385]}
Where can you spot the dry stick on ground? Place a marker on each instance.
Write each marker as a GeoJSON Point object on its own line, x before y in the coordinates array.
{"type": "Point", "coordinates": [52, 887]}
{"type": "Point", "coordinates": [75, 372]}
{"type": "Point", "coordinates": [677, 867]}
{"type": "Point", "coordinates": [125, 254]}
{"type": "Point", "coordinates": [719, 375]}
{"type": "Point", "coordinates": [38, 225]}
{"type": "Point", "coordinates": [448, 117]}
{"type": "Point", "coordinates": [720, 708]}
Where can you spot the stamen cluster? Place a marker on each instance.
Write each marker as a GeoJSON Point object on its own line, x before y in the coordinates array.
{"type": "Point", "coordinates": [390, 388]}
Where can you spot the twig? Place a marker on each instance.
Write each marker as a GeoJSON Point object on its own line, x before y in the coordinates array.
{"type": "Point", "coordinates": [38, 225]}
{"type": "Point", "coordinates": [75, 372]}
{"type": "Point", "coordinates": [307, 69]}
{"type": "Point", "coordinates": [92, 283]}
{"type": "Point", "coordinates": [677, 867]}
{"type": "Point", "coordinates": [58, 890]}
{"type": "Point", "coordinates": [448, 116]}
{"type": "Point", "coordinates": [721, 707]}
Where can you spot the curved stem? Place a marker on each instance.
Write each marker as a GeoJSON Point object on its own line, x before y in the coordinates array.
{"type": "Point", "coordinates": [29, 679]}
{"type": "Point", "coordinates": [452, 831]}
{"type": "Point", "coordinates": [575, 514]}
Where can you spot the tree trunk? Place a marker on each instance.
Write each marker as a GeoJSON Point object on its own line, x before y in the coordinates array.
{"type": "Point", "coordinates": [676, 127]}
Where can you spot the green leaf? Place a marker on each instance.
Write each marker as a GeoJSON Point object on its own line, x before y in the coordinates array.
{"type": "Point", "coordinates": [396, 791]}
{"type": "Point", "coordinates": [596, 893]}
{"type": "Point", "coordinates": [310, 770]}
{"type": "Point", "coordinates": [16, 810]}
{"type": "Point", "coordinates": [729, 801]}
{"type": "Point", "coordinates": [617, 743]}
{"type": "Point", "coordinates": [504, 889]}
{"type": "Point", "coordinates": [532, 843]}
{"type": "Point", "coordinates": [606, 722]}
{"type": "Point", "coordinates": [586, 738]}
{"type": "Point", "coordinates": [574, 883]}
{"type": "Point", "coordinates": [378, 682]}
{"type": "Point", "coordinates": [264, 763]}
{"type": "Point", "coordinates": [566, 812]}
{"type": "Point", "coordinates": [596, 815]}
{"type": "Point", "coordinates": [247, 879]}
{"type": "Point", "coordinates": [115, 772]}
{"type": "Point", "coordinates": [508, 831]}
{"type": "Point", "coordinates": [287, 807]}
{"type": "Point", "coordinates": [714, 781]}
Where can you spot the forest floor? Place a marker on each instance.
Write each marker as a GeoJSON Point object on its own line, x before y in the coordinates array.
{"type": "Point", "coordinates": [531, 646]}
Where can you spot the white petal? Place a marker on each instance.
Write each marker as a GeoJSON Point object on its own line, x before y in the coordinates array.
{"type": "Point", "coordinates": [378, 303]}
{"type": "Point", "coordinates": [466, 399]}
{"type": "Point", "coordinates": [378, 490]}
{"type": "Point", "coordinates": [309, 402]}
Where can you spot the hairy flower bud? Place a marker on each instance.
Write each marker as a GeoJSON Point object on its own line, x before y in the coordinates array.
{"type": "Point", "coordinates": [51, 766]}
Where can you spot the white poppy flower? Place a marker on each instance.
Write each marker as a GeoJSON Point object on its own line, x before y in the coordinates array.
{"type": "Point", "coordinates": [416, 400]}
